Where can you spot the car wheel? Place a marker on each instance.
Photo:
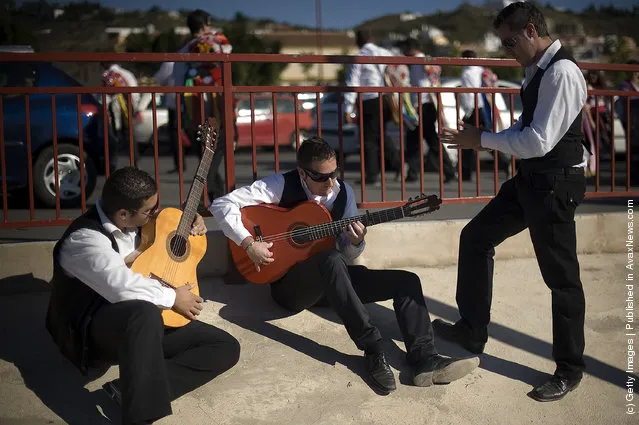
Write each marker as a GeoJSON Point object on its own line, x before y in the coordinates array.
{"type": "Point", "coordinates": [68, 176]}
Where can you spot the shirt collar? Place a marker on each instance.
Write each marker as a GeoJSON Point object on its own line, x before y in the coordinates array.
{"type": "Point", "coordinates": [550, 52]}
{"type": "Point", "coordinates": [106, 223]}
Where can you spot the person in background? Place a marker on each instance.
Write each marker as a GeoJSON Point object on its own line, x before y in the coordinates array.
{"type": "Point", "coordinates": [425, 76]}
{"type": "Point", "coordinates": [474, 76]}
{"type": "Point", "coordinates": [369, 75]}
{"type": "Point", "coordinates": [119, 108]}
{"type": "Point", "coordinates": [621, 110]}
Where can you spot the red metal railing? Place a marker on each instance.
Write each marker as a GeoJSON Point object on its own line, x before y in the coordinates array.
{"type": "Point", "coordinates": [229, 91]}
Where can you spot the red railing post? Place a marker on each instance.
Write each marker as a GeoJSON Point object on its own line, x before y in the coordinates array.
{"type": "Point", "coordinates": [227, 85]}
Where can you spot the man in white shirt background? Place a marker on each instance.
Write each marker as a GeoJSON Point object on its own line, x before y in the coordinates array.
{"type": "Point", "coordinates": [419, 78]}
{"type": "Point", "coordinates": [370, 75]}
{"type": "Point", "coordinates": [118, 107]}
{"type": "Point", "coordinates": [471, 77]}
{"type": "Point", "coordinates": [542, 197]}
{"type": "Point", "coordinates": [102, 313]}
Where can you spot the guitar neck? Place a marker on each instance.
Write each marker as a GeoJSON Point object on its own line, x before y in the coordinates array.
{"type": "Point", "coordinates": [195, 194]}
{"type": "Point", "coordinates": [335, 228]}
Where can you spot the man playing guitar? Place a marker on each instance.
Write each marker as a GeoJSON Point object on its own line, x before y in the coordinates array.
{"type": "Point", "coordinates": [327, 275]}
{"type": "Point", "coordinates": [102, 313]}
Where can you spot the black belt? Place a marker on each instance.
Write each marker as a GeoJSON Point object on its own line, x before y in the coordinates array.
{"type": "Point", "coordinates": [566, 171]}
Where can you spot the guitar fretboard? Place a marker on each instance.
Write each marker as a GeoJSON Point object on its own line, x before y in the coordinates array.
{"type": "Point", "coordinates": [334, 228]}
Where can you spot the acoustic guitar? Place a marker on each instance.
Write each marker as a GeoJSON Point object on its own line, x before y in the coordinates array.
{"type": "Point", "coordinates": [303, 231]}
{"type": "Point", "coordinates": [167, 251]}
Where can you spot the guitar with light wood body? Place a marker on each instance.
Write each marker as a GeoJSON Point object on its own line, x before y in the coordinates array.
{"type": "Point", "coordinates": [168, 252]}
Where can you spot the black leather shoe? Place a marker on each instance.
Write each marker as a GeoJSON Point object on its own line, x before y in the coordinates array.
{"type": "Point", "coordinates": [380, 373]}
{"type": "Point", "coordinates": [554, 389]}
{"type": "Point", "coordinates": [459, 333]}
{"type": "Point", "coordinates": [112, 389]}
{"type": "Point", "coordinates": [442, 370]}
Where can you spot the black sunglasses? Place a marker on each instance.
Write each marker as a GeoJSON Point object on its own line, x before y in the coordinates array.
{"type": "Point", "coordinates": [151, 212]}
{"type": "Point", "coordinates": [321, 177]}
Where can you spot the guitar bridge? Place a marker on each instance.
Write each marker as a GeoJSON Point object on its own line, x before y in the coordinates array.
{"type": "Point", "coordinates": [162, 281]}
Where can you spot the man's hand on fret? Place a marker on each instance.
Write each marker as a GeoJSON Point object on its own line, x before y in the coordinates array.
{"type": "Point", "coordinates": [355, 232]}
{"type": "Point", "coordinates": [198, 227]}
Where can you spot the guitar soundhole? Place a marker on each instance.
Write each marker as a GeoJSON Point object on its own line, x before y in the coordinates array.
{"type": "Point", "coordinates": [178, 247]}
{"type": "Point", "coordinates": [299, 235]}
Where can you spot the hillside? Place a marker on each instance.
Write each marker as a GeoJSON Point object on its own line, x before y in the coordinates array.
{"type": "Point", "coordinates": [469, 23]}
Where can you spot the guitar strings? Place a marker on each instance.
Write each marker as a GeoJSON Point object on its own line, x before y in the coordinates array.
{"type": "Point", "coordinates": [317, 229]}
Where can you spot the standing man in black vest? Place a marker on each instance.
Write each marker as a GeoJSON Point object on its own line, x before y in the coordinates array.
{"type": "Point", "coordinates": [542, 197]}
{"type": "Point", "coordinates": [346, 288]}
{"type": "Point", "coordinates": [102, 313]}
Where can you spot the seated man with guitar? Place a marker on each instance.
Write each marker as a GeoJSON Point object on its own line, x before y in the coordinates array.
{"type": "Point", "coordinates": [102, 312]}
{"type": "Point", "coordinates": [319, 273]}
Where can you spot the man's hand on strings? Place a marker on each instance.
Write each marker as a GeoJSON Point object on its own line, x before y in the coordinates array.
{"type": "Point", "coordinates": [355, 232]}
{"type": "Point", "coordinates": [260, 253]}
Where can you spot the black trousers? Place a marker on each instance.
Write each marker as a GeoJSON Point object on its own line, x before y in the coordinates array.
{"type": "Point", "coordinates": [429, 132]}
{"type": "Point", "coordinates": [157, 364]}
{"type": "Point", "coordinates": [544, 203]}
{"type": "Point", "coordinates": [175, 141]}
{"type": "Point", "coordinates": [372, 136]}
{"type": "Point", "coordinates": [347, 288]}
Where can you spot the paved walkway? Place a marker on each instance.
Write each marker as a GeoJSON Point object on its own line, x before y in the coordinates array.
{"type": "Point", "coordinates": [303, 369]}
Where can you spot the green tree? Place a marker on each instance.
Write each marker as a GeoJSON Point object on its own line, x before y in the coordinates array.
{"type": "Point", "coordinates": [252, 74]}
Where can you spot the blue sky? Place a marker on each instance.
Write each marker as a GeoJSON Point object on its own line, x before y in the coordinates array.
{"type": "Point", "coordinates": [335, 13]}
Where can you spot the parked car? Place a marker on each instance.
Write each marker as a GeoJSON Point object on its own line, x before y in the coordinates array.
{"type": "Point", "coordinates": [263, 104]}
{"type": "Point", "coordinates": [23, 74]}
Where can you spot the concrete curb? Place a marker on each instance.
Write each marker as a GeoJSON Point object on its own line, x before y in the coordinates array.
{"type": "Point", "coordinates": [389, 245]}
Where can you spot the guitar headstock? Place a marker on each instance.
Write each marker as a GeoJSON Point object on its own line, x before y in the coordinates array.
{"type": "Point", "coordinates": [421, 204]}
{"type": "Point", "coordinates": [208, 133]}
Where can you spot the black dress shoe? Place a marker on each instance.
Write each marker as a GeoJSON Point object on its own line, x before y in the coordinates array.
{"type": "Point", "coordinates": [380, 373]}
{"type": "Point", "coordinates": [112, 389]}
{"type": "Point", "coordinates": [442, 370]}
{"type": "Point", "coordinates": [554, 389]}
{"type": "Point", "coordinates": [459, 333]}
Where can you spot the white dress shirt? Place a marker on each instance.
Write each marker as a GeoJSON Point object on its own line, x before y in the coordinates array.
{"type": "Point", "coordinates": [88, 255]}
{"type": "Point", "coordinates": [365, 75]}
{"type": "Point", "coordinates": [164, 77]}
{"type": "Point", "coordinates": [418, 78]}
{"type": "Point", "coordinates": [470, 77]}
{"type": "Point", "coordinates": [562, 94]}
{"type": "Point", "coordinates": [269, 190]}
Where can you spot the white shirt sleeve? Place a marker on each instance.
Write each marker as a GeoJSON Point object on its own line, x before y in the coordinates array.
{"type": "Point", "coordinates": [347, 249]}
{"type": "Point", "coordinates": [226, 209]}
{"type": "Point", "coordinates": [562, 94]}
{"type": "Point", "coordinates": [88, 256]}
{"type": "Point", "coordinates": [164, 76]}
{"type": "Point", "coordinates": [352, 80]}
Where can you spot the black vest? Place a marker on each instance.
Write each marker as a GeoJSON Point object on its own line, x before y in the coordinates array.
{"type": "Point", "coordinates": [294, 193]}
{"type": "Point", "coordinates": [569, 150]}
{"type": "Point", "coordinates": [72, 303]}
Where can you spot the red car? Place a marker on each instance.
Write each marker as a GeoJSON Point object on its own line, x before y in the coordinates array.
{"type": "Point", "coordinates": [263, 104]}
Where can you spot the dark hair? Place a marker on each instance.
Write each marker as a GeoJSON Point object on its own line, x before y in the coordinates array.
{"type": "Point", "coordinates": [314, 149]}
{"type": "Point", "coordinates": [363, 36]}
{"type": "Point", "coordinates": [518, 15]}
{"type": "Point", "coordinates": [469, 54]}
{"type": "Point", "coordinates": [411, 44]}
{"type": "Point", "coordinates": [197, 20]}
{"type": "Point", "coordinates": [127, 188]}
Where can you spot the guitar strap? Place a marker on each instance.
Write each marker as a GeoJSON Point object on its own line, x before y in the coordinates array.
{"type": "Point", "coordinates": [294, 193]}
